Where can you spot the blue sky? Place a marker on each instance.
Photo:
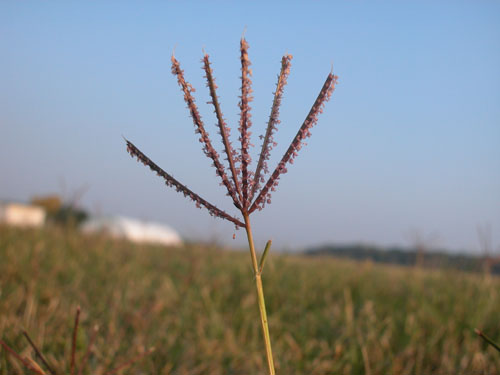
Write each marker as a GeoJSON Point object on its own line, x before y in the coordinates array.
{"type": "Point", "coordinates": [408, 144]}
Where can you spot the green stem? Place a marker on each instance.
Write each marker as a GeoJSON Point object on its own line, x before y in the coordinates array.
{"type": "Point", "coordinates": [260, 295]}
{"type": "Point", "coordinates": [487, 339]}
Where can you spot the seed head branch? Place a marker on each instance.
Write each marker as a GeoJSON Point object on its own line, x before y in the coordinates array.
{"type": "Point", "coordinates": [38, 352]}
{"type": "Point", "coordinates": [297, 143]}
{"type": "Point", "coordinates": [89, 350]}
{"type": "Point", "coordinates": [24, 361]}
{"type": "Point", "coordinates": [245, 122]}
{"type": "Point", "coordinates": [73, 341]}
{"type": "Point", "coordinates": [208, 149]}
{"type": "Point", "coordinates": [172, 182]}
{"type": "Point", "coordinates": [223, 128]}
{"type": "Point", "coordinates": [268, 143]}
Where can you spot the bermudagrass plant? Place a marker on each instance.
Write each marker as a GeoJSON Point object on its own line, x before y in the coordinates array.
{"type": "Point", "coordinates": [248, 189]}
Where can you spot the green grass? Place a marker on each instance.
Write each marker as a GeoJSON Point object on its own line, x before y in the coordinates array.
{"type": "Point", "coordinates": [197, 306]}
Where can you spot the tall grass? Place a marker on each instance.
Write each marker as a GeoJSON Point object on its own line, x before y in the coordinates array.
{"type": "Point", "coordinates": [196, 306]}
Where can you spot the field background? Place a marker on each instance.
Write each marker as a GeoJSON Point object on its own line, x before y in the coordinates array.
{"type": "Point", "coordinates": [197, 306]}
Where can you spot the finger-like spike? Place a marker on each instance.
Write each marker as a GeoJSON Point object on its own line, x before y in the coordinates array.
{"type": "Point", "coordinates": [172, 182]}
{"type": "Point", "coordinates": [268, 142]}
{"type": "Point", "coordinates": [38, 352]}
{"type": "Point", "coordinates": [208, 149]}
{"type": "Point", "coordinates": [224, 130]}
{"type": "Point", "coordinates": [245, 122]}
{"type": "Point", "coordinates": [89, 349]}
{"type": "Point", "coordinates": [295, 146]}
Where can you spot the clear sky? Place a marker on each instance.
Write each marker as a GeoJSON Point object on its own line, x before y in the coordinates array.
{"type": "Point", "coordinates": [409, 143]}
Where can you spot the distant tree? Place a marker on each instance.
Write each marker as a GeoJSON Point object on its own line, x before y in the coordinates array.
{"type": "Point", "coordinates": [51, 203]}
{"type": "Point", "coordinates": [407, 257]}
{"type": "Point", "coordinates": [70, 215]}
{"type": "Point", "coordinates": [59, 211]}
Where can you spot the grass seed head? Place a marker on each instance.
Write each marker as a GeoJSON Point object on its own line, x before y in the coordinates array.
{"type": "Point", "coordinates": [244, 184]}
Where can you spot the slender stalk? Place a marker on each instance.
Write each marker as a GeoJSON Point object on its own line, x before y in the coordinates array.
{"type": "Point", "coordinates": [260, 295]}
{"type": "Point", "coordinates": [24, 361]}
{"type": "Point", "coordinates": [223, 128]}
{"type": "Point", "coordinates": [245, 121]}
{"type": "Point", "coordinates": [296, 145]}
{"type": "Point", "coordinates": [172, 182]}
{"type": "Point", "coordinates": [208, 149]}
{"type": "Point", "coordinates": [73, 341]}
{"type": "Point", "coordinates": [487, 339]}
{"type": "Point", "coordinates": [38, 352]}
{"type": "Point", "coordinates": [268, 143]}
{"type": "Point", "coordinates": [89, 350]}
{"type": "Point", "coordinates": [130, 362]}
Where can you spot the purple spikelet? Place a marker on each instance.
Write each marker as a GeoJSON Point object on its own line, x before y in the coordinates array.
{"type": "Point", "coordinates": [172, 182]}
{"type": "Point", "coordinates": [224, 130]}
{"type": "Point", "coordinates": [297, 143]}
{"type": "Point", "coordinates": [241, 188]}
{"type": "Point", "coordinates": [245, 122]}
{"type": "Point", "coordinates": [208, 149]}
{"type": "Point", "coordinates": [268, 141]}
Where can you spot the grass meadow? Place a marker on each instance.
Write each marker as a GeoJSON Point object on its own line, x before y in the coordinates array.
{"type": "Point", "coordinates": [197, 306]}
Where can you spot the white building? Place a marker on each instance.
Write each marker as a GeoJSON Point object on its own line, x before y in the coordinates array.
{"type": "Point", "coordinates": [24, 215]}
{"type": "Point", "coordinates": [133, 230]}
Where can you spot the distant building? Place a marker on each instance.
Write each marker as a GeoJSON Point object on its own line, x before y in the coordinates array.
{"type": "Point", "coordinates": [23, 215]}
{"type": "Point", "coordinates": [133, 230]}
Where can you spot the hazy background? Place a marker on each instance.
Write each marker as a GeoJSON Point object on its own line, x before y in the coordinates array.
{"type": "Point", "coordinates": [408, 144]}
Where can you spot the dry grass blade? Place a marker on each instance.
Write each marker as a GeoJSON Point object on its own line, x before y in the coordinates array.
{"type": "Point", "coordinates": [172, 182]}
{"type": "Point", "coordinates": [223, 128]}
{"type": "Point", "coordinates": [296, 145]}
{"type": "Point", "coordinates": [89, 350]}
{"type": "Point", "coordinates": [38, 352]}
{"type": "Point", "coordinates": [24, 361]}
{"type": "Point", "coordinates": [245, 121]}
{"type": "Point", "coordinates": [487, 339]}
{"type": "Point", "coordinates": [268, 142]}
{"type": "Point", "coordinates": [36, 366]}
{"type": "Point", "coordinates": [73, 341]}
{"type": "Point", "coordinates": [130, 363]}
{"type": "Point", "coordinates": [208, 149]}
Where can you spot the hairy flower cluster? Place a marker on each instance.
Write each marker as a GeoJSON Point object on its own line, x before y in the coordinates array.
{"type": "Point", "coordinates": [224, 130]}
{"type": "Point", "coordinates": [208, 149]}
{"type": "Point", "coordinates": [297, 143]}
{"type": "Point", "coordinates": [268, 141]}
{"type": "Point", "coordinates": [172, 182]}
{"type": "Point", "coordinates": [244, 184]}
{"type": "Point", "coordinates": [245, 121]}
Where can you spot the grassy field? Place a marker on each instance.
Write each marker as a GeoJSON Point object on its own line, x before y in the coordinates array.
{"type": "Point", "coordinates": [197, 306]}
